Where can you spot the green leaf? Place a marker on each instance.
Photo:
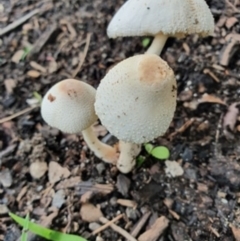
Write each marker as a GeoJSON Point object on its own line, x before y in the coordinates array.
{"type": "Point", "coordinates": [148, 147]}
{"type": "Point", "coordinates": [46, 232]}
{"type": "Point", "coordinates": [24, 235]}
{"type": "Point", "coordinates": [37, 96]}
{"type": "Point", "coordinates": [145, 42]}
{"type": "Point", "coordinates": [26, 50]}
{"type": "Point", "coordinates": [160, 152]}
{"type": "Point", "coordinates": [140, 160]}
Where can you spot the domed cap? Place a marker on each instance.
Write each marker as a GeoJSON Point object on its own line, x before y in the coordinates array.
{"type": "Point", "coordinates": [69, 106]}
{"type": "Point", "coordinates": [136, 100]}
{"type": "Point", "coordinates": [169, 17]}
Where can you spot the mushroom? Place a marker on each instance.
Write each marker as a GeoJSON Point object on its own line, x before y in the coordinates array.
{"type": "Point", "coordinates": [69, 106]}
{"type": "Point", "coordinates": [161, 19]}
{"type": "Point", "coordinates": [136, 100]}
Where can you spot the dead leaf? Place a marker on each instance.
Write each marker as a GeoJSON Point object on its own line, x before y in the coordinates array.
{"type": "Point", "coordinates": [37, 169]}
{"type": "Point", "coordinates": [90, 213]}
{"type": "Point", "coordinates": [155, 231]}
{"type": "Point", "coordinates": [33, 74]}
{"type": "Point", "coordinates": [56, 172]}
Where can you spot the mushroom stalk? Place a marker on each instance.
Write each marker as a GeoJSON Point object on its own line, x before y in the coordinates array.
{"type": "Point", "coordinates": [128, 154]}
{"type": "Point", "coordinates": [157, 44]}
{"type": "Point", "coordinates": [100, 149]}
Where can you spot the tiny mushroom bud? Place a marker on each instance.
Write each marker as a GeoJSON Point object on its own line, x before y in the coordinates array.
{"type": "Point", "coordinates": [161, 19]}
{"type": "Point", "coordinates": [136, 100]}
{"type": "Point", "coordinates": [69, 106]}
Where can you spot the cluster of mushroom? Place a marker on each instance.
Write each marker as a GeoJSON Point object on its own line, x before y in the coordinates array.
{"type": "Point", "coordinates": [136, 100]}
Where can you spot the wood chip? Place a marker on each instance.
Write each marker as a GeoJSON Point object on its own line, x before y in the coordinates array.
{"type": "Point", "coordinates": [56, 172]}
{"type": "Point", "coordinates": [155, 231]}
{"type": "Point", "coordinates": [206, 98]}
{"type": "Point", "coordinates": [90, 213]}
{"type": "Point", "coordinates": [33, 74]}
{"type": "Point", "coordinates": [10, 84]}
{"type": "Point", "coordinates": [37, 66]}
{"type": "Point", "coordinates": [17, 56]}
{"type": "Point", "coordinates": [127, 203]}
{"type": "Point", "coordinates": [231, 22]}
{"type": "Point", "coordinates": [236, 232]}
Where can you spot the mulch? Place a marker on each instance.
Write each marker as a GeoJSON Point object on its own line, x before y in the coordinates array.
{"type": "Point", "coordinates": [55, 177]}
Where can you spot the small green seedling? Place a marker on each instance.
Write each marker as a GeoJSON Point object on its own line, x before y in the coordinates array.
{"type": "Point", "coordinates": [159, 152]}
{"type": "Point", "coordinates": [140, 160]}
{"type": "Point", "coordinates": [26, 50]}
{"type": "Point", "coordinates": [37, 96]}
{"type": "Point", "coordinates": [145, 42]}
{"type": "Point", "coordinates": [42, 231]}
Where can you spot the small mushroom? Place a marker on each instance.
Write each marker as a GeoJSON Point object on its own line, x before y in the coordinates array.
{"type": "Point", "coordinates": [161, 19]}
{"type": "Point", "coordinates": [136, 100]}
{"type": "Point", "coordinates": [69, 107]}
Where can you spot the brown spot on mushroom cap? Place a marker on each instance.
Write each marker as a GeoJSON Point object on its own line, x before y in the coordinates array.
{"type": "Point", "coordinates": [127, 92]}
{"type": "Point", "coordinates": [152, 69]}
{"type": "Point", "coordinates": [51, 98]}
{"type": "Point", "coordinates": [69, 106]}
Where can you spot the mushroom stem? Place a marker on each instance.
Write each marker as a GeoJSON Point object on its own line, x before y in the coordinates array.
{"type": "Point", "coordinates": [127, 158]}
{"type": "Point", "coordinates": [100, 149]}
{"type": "Point", "coordinates": [157, 44]}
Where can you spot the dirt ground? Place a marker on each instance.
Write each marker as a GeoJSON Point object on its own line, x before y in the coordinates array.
{"type": "Point", "coordinates": [54, 176]}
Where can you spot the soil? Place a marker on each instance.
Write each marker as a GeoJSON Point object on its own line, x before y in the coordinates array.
{"type": "Point", "coordinates": [51, 174]}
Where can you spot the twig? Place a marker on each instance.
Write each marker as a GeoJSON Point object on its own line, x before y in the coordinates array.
{"type": "Point", "coordinates": [18, 114]}
{"type": "Point", "coordinates": [232, 6]}
{"type": "Point", "coordinates": [84, 55]}
{"type": "Point", "coordinates": [118, 229]}
{"type": "Point", "coordinates": [140, 224]}
{"type": "Point", "coordinates": [18, 22]}
{"type": "Point", "coordinates": [100, 229]}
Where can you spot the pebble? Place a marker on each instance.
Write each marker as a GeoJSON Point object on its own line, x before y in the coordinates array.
{"type": "Point", "coordinates": [58, 199]}
{"type": "Point", "coordinates": [93, 226]}
{"type": "Point", "coordinates": [3, 209]}
{"type": "Point", "coordinates": [100, 168]}
{"type": "Point", "coordinates": [37, 169]}
{"type": "Point", "coordinates": [131, 213]}
{"type": "Point", "coordinates": [173, 169]}
{"type": "Point", "coordinates": [113, 201]}
{"type": "Point", "coordinates": [6, 178]}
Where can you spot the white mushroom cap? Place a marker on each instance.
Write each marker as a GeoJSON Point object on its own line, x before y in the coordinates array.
{"type": "Point", "coordinates": [136, 100]}
{"type": "Point", "coordinates": [169, 17]}
{"type": "Point", "coordinates": [69, 106]}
